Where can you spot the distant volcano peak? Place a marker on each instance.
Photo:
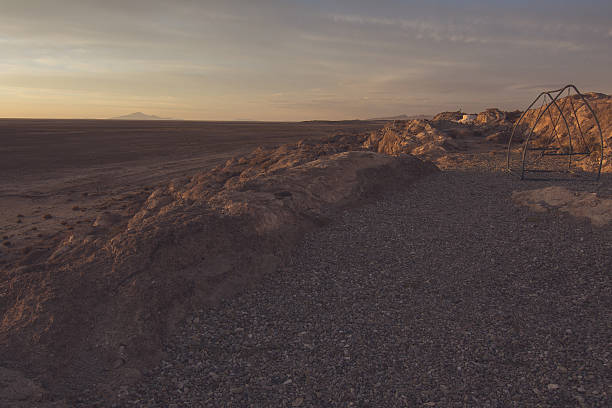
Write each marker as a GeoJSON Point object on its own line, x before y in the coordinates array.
{"type": "Point", "coordinates": [140, 116]}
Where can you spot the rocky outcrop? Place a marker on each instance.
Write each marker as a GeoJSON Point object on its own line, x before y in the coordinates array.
{"type": "Point", "coordinates": [434, 139]}
{"type": "Point", "coordinates": [418, 137]}
{"type": "Point", "coordinates": [492, 117]}
{"type": "Point", "coordinates": [543, 132]}
{"type": "Point", "coordinates": [448, 116]}
{"type": "Point", "coordinates": [100, 303]}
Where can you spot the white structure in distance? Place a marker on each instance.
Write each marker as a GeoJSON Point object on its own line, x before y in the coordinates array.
{"type": "Point", "coordinates": [469, 118]}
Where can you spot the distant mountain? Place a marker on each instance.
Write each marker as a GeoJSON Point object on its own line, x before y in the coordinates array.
{"type": "Point", "coordinates": [140, 116]}
{"type": "Point", "coordinates": [403, 117]}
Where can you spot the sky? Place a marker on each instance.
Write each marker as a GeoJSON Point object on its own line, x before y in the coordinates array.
{"type": "Point", "coordinates": [294, 59]}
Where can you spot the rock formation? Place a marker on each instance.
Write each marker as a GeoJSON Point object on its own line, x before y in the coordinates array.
{"type": "Point", "coordinates": [601, 104]}
{"type": "Point", "coordinates": [450, 116]}
{"type": "Point", "coordinates": [419, 137]}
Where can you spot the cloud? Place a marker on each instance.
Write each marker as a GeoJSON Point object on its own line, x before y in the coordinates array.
{"type": "Point", "coordinates": [480, 31]}
{"type": "Point", "coordinates": [294, 59]}
{"type": "Point", "coordinates": [535, 87]}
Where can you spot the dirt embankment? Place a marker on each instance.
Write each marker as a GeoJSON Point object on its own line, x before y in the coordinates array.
{"type": "Point", "coordinates": [93, 309]}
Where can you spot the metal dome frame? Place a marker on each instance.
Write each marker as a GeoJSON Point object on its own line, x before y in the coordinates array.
{"type": "Point", "coordinates": [553, 96]}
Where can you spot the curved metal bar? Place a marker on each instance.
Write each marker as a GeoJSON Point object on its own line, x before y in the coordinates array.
{"type": "Point", "coordinates": [515, 127]}
{"type": "Point", "coordinates": [598, 127]}
{"type": "Point", "coordinates": [555, 134]}
{"type": "Point", "coordinates": [569, 132]}
{"type": "Point", "coordinates": [533, 128]}
{"type": "Point", "coordinates": [541, 110]}
{"type": "Point", "coordinates": [555, 123]}
{"type": "Point", "coordinates": [551, 137]}
{"type": "Point", "coordinates": [578, 124]}
{"type": "Point", "coordinates": [560, 90]}
{"type": "Point", "coordinates": [554, 99]}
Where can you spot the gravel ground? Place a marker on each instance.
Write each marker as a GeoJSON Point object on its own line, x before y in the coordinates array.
{"type": "Point", "coordinates": [441, 295]}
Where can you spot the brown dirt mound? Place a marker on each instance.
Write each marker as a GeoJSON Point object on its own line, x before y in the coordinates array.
{"type": "Point", "coordinates": [94, 310]}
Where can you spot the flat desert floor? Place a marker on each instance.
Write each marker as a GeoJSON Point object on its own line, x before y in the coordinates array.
{"type": "Point", "coordinates": [57, 174]}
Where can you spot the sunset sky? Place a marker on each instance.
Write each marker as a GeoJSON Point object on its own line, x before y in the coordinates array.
{"type": "Point", "coordinates": [294, 59]}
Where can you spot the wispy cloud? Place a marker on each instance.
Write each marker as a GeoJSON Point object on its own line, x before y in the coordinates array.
{"type": "Point", "coordinates": [293, 60]}
{"type": "Point", "coordinates": [479, 31]}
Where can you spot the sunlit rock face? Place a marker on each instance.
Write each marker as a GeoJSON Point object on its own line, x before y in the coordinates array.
{"type": "Point", "coordinates": [543, 131]}
{"type": "Point", "coordinates": [419, 137]}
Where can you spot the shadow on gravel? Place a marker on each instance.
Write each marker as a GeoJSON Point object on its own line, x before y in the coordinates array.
{"type": "Point", "coordinates": [443, 294]}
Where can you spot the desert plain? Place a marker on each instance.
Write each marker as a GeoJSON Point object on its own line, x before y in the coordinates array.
{"type": "Point", "coordinates": [58, 174]}
{"type": "Point", "coordinates": [358, 263]}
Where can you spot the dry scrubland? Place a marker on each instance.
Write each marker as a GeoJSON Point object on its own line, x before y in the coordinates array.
{"type": "Point", "coordinates": [89, 303]}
